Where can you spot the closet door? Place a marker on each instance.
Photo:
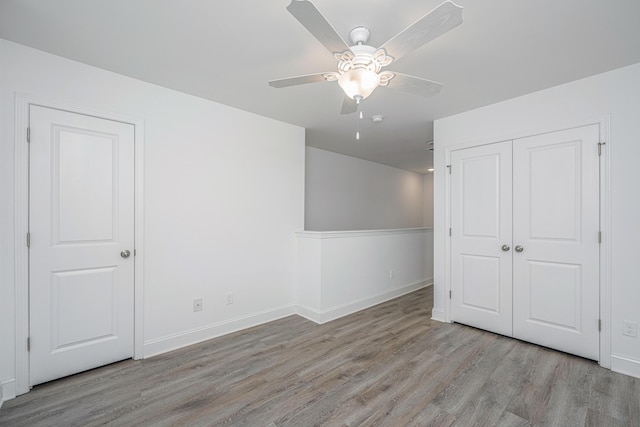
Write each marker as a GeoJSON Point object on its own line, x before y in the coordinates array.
{"type": "Point", "coordinates": [555, 237]}
{"type": "Point", "coordinates": [481, 237]}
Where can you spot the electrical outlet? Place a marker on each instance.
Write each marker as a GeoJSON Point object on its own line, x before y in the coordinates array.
{"type": "Point", "coordinates": [229, 299]}
{"type": "Point", "coordinates": [197, 304]}
{"type": "Point", "coordinates": [391, 274]}
{"type": "Point", "coordinates": [630, 328]}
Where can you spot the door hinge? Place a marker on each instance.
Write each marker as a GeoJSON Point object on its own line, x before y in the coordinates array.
{"type": "Point", "coordinates": [449, 167]}
{"type": "Point", "coordinates": [599, 325]}
{"type": "Point", "coordinates": [449, 231]}
{"type": "Point", "coordinates": [28, 134]}
{"type": "Point", "coordinates": [600, 144]}
{"type": "Point", "coordinates": [599, 236]}
{"type": "Point", "coordinates": [28, 343]}
{"type": "Point", "coordinates": [134, 252]}
{"type": "Point", "coordinates": [28, 240]}
{"type": "Point", "coordinates": [450, 293]}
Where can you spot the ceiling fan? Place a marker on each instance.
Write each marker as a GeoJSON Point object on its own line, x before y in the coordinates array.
{"type": "Point", "coordinates": [360, 65]}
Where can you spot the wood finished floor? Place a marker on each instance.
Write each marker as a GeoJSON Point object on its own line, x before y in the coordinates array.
{"type": "Point", "coordinates": [389, 365]}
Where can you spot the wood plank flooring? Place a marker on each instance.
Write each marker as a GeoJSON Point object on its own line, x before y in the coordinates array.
{"type": "Point", "coordinates": [389, 365]}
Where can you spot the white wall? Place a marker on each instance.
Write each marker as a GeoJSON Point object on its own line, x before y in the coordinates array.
{"type": "Point", "coordinates": [223, 195]}
{"type": "Point", "coordinates": [345, 271]}
{"type": "Point", "coordinates": [345, 193]}
{"type": "Point", "coordinates": [427, 200]}
{"type": "Point", "coordinates": [615, 94]}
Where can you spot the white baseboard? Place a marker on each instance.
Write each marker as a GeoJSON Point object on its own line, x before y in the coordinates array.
{"type": "Point", "coordinates": [308, 313]}
{"type": "Point", "coordinates": [7, 390]}
{"type": "Point", "coordinates": [625, 365]}
{"type": "Point", "coordinates": [194, 336]}
{"type": "Point", "coordinates": [438, 315]}
{"type": "Point", "coordinates": [334, 313]}
{"type": "Point", "coordinates": [183, 339]}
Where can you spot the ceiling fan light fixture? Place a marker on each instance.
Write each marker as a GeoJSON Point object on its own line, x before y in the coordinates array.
{"type": "Point", "coordinates": [359, 82]}
{"type": "Point", "coordinates": [359, 70]}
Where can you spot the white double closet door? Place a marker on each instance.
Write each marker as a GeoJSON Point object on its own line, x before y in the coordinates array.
{"type": "Point", "coordinates": [524, 239]}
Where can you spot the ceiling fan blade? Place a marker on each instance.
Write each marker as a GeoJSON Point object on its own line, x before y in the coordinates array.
{"type": "Point", "coordinates": [349, 106]}
{"type": "Point", "coordinates": [435, 23]}
{"type": "Point", "coordinates": [299, 80]}
{"type": "Point", "coordinates": [415, 85]}
{"type": "Point", "coordinates": [310, 17]}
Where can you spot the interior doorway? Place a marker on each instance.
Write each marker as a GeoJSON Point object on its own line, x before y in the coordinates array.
{"type": "Point", "coordinates": [23, 106]}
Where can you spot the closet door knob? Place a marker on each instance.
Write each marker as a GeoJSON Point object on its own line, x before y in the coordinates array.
{"type": "Point", "coordinates": [505, 248]}
{"type": "Point", "coordinates": [519, 248]}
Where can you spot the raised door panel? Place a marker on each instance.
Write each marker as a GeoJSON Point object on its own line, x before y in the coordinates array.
{"type": "Point", "coordinates": [562, 281]}
{"type": "Point", "coordinates": [84, 210]}
{"type": "Point", "coordinates": [98, 290]}
{"type": "Point", "coordinates": [480, 283]}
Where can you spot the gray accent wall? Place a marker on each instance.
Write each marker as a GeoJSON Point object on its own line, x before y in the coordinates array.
{"type": "Point", "coordinates": [346, 193]}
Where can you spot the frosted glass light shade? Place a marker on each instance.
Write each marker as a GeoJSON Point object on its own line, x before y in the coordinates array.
{"type": "Point", "coordinates": [359, 82]}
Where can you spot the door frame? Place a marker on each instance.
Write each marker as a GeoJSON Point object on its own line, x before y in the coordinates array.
{"type": "Point", "coordinates": [603, 123]}
{"type": "Point", "coordinates": [21, 224]}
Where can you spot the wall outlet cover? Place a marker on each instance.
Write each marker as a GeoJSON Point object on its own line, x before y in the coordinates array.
{"type": "Point", "coordinates": [630, 328]}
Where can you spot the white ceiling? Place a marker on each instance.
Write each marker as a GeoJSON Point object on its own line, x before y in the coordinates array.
{"type": "Point", "coordinates": [227, 51]}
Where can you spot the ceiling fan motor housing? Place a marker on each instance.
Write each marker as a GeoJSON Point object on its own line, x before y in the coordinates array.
{"type": "Point", "coordinates": [359, 35]}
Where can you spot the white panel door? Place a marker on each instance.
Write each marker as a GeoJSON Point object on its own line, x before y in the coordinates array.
{"type": "Point", "coordinates": [556, 223]}
{"type": "Point", "coordinates": [481, 237]}
{"type": "Point", "coordinates": [81, 205]}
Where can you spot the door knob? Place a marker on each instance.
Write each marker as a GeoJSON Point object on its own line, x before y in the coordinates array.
{"type": "Point", "coordinates": [519, 248]}
{"type": "Point", "coordinates": [505, 248]}
{"type": "Point", "coordinates": [125, 253]}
